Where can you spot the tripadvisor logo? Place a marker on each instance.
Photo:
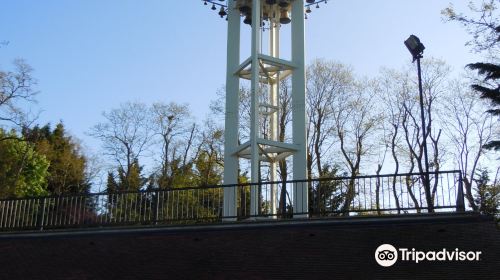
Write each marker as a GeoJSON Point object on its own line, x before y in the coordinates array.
{"type": "Point", "coordinates": [387, 255]}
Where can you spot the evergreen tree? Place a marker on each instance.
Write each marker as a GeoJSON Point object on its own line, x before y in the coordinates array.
{"type": "Point", "coordinates": [111, 184]}
{"type": "Point", "coordinates": [487, 195]}
{"type": "Point", "coordinates": [67, 162]}
{"type": "Point", "coordinates": [326, 196]}
{"type": "Point", "coordinates": [131, 181]}
{"type": "Point", "coordinates": [489, 89]}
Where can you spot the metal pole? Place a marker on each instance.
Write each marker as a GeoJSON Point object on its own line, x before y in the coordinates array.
{"type": "Point", "coordinates": [430, 203]}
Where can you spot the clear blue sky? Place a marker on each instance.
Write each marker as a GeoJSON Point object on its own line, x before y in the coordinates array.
{"type": "Point", "coordinates": [91, 55]}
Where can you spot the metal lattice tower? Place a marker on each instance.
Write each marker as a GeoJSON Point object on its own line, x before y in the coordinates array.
{"type": "Point", "coordinates": [265, 70]}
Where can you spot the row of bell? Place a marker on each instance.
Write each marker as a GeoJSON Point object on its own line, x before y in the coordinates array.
{"type": "Point", "coordinates": [284, 18]}
{"type": "Point", "coordinates": [246, 10]}
{"type": "Point", "coordinates": [284, 2]}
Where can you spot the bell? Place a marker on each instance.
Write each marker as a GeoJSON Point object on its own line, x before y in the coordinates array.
{"type": "Point", "coordinates": [265, 15]}
{"type": "Point", "coordinates": [222, 12]}
{"type": "Point", "coordinates": [245, 10]}
{"type": "Point", "coordinates": [310, 1]}
{"type": "Point", "coordinates": [248, 19]}
{"type": "Point", "coordinates": [284, 19]}
{"type": "Point", "coordinates": [283, 3]}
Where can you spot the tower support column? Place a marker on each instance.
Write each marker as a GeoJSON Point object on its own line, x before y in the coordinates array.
{"type": "Point", "coordinates": [254, 109]}
{"type": "Point", "coordinates": [273, 134]}
{"type": "Point", "coordinates": [232, 115]}
{"type": "Point", "coordinates": [300, 190]}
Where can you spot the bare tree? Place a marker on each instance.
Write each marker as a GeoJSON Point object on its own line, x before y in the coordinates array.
{"type": "Point", "coordinates": [284, 119]}
{"type": "Point", "coordinates": [125, 134]}
{"type": "Point", "coordinates": [16, 87]}
{"type": "Point", "coordinates": [173, 126]}
{"type": "Point", "coordinates": [434, 75]}
{"type": "Point", "coordinates": [388, 86]}
{"type": "Point", "coordinates": [356, 116]}
{"type": "Point", "coordinates": [483, 25]}
{"type": "Point", "coordinates": [325, 81]}
{"type": "Point", "coordinates": [469, 128]}
{"type": "Point", "coordinates": [395, 90]}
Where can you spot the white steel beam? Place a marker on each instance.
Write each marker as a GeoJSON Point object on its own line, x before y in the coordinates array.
{"type": "Point", "coordinates": [273, 89]}
{"type": "Point", "coordinates": [243, 65]}
{"type": "Point", "coordinates": [276, 61]}
{"type": "Point", "coordinates": [232, 114]}
{"type": "Point", "coordinates": [300, 191]}
{"type": "Point", "coordinates": [254, 108]}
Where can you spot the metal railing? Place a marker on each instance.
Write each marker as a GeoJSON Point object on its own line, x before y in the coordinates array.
{"type": "Point", "coordinates": [387, 194]}
{"type": "Point", "coordinates": [361, 195]}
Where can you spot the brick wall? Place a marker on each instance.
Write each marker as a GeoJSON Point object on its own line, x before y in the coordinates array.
{"type": "Point", "coordinates": [321, 249]}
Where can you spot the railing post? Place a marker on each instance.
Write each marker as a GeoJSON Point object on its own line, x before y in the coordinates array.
{"type": "Point", "coordinates": [460, 195]}
{"type": "Point", "coordinates": [157, 204]}
{"type": "Point", "coordinates": [283, 200]}
{"type": "Point", "coordinates": [41, 215]}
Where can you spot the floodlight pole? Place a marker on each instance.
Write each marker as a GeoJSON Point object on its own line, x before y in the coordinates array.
{"type": "Point", "coordinates": [430, 204]}
{"type": "Point", "coordinates": [416, 49]}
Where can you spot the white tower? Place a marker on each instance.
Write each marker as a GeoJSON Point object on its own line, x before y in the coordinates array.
{"type": "Point", "coordinates": [264, 71]}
